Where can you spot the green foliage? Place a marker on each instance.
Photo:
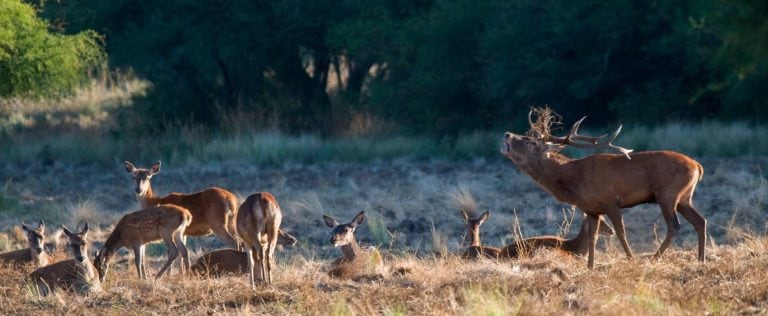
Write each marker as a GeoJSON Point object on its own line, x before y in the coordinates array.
{"type": "Point", "coordinates": [37, 62]}
{"type": "Point", "coordinates": [432, 67]}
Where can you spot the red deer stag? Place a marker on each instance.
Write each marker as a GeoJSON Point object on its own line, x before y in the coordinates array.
{"type": "Point", "coordinates": [603, 184]}
{"type": "Point", "coordinates": [213, 209]}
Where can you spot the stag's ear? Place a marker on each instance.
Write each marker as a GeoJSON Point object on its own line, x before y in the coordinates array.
{"type": "Point", "coordinates": [155, 168]}
{"type": "Point", "coordinates": [553, 148]}
{"type": "Point", "coordinates": [464, 214]}
{"type": "Point", "coordinates": [332, 223]}
{"type": "Point", "coordinates": [484, 217]}
{"type": "Point", "coordinates": [358, 219]}
{"type": "Point", "coordinates": [85, 229]}
{"type": "Point", "coordinates": [129, 166]}
{"type": "Point", "coordinates": [25, 227]}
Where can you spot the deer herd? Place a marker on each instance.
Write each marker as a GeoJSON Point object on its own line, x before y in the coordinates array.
{"type": "Point", "coordinates": [599, 184]}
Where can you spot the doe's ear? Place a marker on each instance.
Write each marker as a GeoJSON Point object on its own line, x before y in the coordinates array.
{"type": "Point", "coordinates": [155, 168]}
{"type": "Point", "coordinates": [66, 230]}
{"type": "Point", "coordinates": [85, 228]}
{"type": "Point", "coordinates": [25, 227]}
{"type": "Point", "coordinates": [129, 166]}
{"type": "Point", "coordinates": [41, 224]}
{"type": "Point", "coordinates": [358, 219]}
{"type": "Point", "coordinates": [332, 223]}
{"type": "Point", "coordinates": [484, 216]}
{"type": "Point", "coordinates": [464, 214]}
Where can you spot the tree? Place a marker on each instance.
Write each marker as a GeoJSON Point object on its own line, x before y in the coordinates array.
{"type": "Point", "coordinates": [37, 62]}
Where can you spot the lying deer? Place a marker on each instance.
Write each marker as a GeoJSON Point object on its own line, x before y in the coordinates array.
{"type": "Point", "coordinates": [603, 184]}
{"type": "Point", "coordinates": [213, 210]}
{"type": "Point", "coordinates": [258, 223]}
{"type": "Point", "coordinates": [224, 261]}
{"type": "Point", "coordinates": [577, 245]}
{"type": "Point", "coordinates": [134, 230]}
{"type": "Point", "coordinates": [76, 274]}
{"type": "Point", "coordinates": [35, 251]}
{"type": "Point", "coordinates": [356, 260]}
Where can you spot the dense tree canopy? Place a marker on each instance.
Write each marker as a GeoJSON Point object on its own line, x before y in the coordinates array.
{"type": "Point", "coordinates": [435, 66]}
{"type": "Point", "coordinates": [37, 62]}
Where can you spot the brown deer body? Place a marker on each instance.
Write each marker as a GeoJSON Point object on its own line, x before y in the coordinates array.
{"type": "Point", "coordinates": [230, 261]}
{"type": "Point", "coordinates": [213, 210]}
{"type": "Point", "coordinates": [603, 184]}
{"type": "Point", "coordinates": [578, 245]}
{"type": "Point", "coordinates": [163, 222]}
{"type": "Point", "coordinates": [35, 251]}
{"type": "Point", "coordinates": [356, 261]}
{"type": "Point", "coordinates": [76, 274]}
{"type": "Point", "coordinates": [258, 223]}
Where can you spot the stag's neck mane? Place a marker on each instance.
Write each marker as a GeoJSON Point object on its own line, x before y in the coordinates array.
{"type": "Point", "coordinates": [554, 174]}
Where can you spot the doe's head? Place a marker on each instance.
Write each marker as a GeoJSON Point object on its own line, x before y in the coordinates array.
{"type": "Point", "coordinates": [35, 237]}
{"type": "Point", "coordinates": [141, 176]}
{"type": "Point", "coordinates": [343, 234]}
{"type": "Point", "coordinates": [78, 242]}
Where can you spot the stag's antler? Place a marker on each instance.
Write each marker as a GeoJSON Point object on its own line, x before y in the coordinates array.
{"type": "Point", "coordinates": [575, 140]}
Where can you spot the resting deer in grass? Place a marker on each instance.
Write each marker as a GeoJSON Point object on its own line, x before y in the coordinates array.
{"type": "Point", "coordinates": [258, 223]}
{"type": "Point", "coordinates": [35, 251]}
{"type": "Point", "coordinates": [76, 274]}
{"type": "Point", "coordinates": [224, 261]}
{"type": "Point", "coordinates": [603, 184]}
{"type": "Point", "coordinates": [356, 260]}
{"type": "Point", "coordinates": [163, 222]}
{"type": "Point", "coordinates": [577, 245]}
{"type": "Point", "coordinates": [476, 249]}
{"type": "Point", "coordinates": [213, 209]}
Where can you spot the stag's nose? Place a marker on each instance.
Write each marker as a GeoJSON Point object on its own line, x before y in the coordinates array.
{"type": "Point", "coordinates": [138, 191]}
{"type": "Point", "coordinates": [507, 135]}
{"type": "Point", "coordinates": [39, 250]}
{"type": "Point", "coordinates": [80, 258]}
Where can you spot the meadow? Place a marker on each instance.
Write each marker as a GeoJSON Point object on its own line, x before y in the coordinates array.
{"type": "Point", "coordinates": [65, 166]}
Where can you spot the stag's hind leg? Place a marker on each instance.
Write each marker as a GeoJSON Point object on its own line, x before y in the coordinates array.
{"type": "Point", "coordinates": [699, 222]}
{"type": "Point", "coordinates": [618, 222]}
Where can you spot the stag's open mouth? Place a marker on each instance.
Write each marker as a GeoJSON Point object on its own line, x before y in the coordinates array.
{"type": "Point", "coordinates": [505, 147]}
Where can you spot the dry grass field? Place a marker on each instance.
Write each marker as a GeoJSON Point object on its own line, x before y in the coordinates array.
{"type": "Point", "coordinates": [412, 216]}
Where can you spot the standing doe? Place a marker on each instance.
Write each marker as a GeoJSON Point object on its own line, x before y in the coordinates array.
{"type": "Point", "coordinates": [213, 209]}
{"type": "Point", "coordinates": [258, 223]}
{"type": "Point", "coordinates": [134, 230]}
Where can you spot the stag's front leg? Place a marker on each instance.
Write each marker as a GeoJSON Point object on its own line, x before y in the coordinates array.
{"type": "Point", "coordinates": [618, 223]}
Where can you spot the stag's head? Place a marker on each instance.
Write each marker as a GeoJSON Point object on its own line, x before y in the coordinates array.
{"type": "Point", "coordinates": [343, 234]}
{"type": "Point", "coordinates": [35, 237]}
{"type": "Point", "coordinates": [78, 242]}
{"type": "Point", "coordinates": [539, 142]}
{"type": "Point", "coordinates": [141, 176]}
